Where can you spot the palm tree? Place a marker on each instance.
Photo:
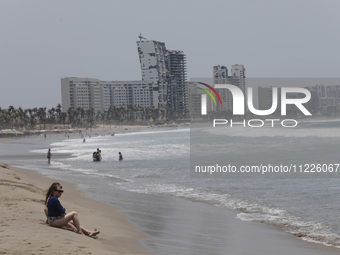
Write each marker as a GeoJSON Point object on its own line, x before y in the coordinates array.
{"type": "Point", "coordinates": [89, 113]}
{"type": "Point", "coordinates": [51, 115]}
{"type": "Point", "coordinates": [62, 118]}
{"type": "Point", "coordinates": [82, 115]}
{"type": "Point", "coordinates": [41, 114]}
{"type": "Point", "coordinates": [70, 116]}
{"type": "Point", "coordinates": [11, 113]}
{"type": "Point", "coordinates": [58, 113]}
{"type": "Point", "coordinates": [32, 117]}
{"type": "Point", "coordinates": [22, 117]}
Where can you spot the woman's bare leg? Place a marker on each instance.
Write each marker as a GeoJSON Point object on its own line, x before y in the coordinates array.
{"type": "Point", "coordinates": [65, 220]}
{"type": "Point", "coordinates": [71, 220]}
{"type": "Point", "coordinates": [94, 232]}
{"type": "Point", "coordinates": [71, 226]}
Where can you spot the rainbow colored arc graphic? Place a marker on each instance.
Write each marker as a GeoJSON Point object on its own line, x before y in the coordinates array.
{"type": "Point", "coordinates": [210, 94]}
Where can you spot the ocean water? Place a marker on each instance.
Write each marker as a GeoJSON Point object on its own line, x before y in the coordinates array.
{"type": "Point", "coordinates": [157, 162]}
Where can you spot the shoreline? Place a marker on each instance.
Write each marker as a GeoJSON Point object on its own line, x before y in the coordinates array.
{"type": "Point", "coordinates": [282, 240]}
{"type": "Point", "coordinates": [99, 130]}
{"type": "Point", "coordinates": [24, 231]}
{"type": "Point", "coordinates": [23, 227]}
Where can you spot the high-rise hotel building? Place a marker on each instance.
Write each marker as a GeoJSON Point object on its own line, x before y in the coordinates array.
{"type": "Point", "coordinates": [166, 69]}
{"type": "Point", "coordinates": [163, 84]}
{"type": "Point", "coordinates": [153, 63]}
{"type": "Point", "coordinates": [178, 92]}
{"type": "Point", "coordinates": [82, 93]}
{"type": "Point", "coordinates": [88, 93]}
{"type": "Point", "coordinates": [237, 78]}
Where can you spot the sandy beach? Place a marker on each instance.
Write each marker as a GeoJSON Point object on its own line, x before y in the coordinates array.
{"type": "Point", "coordinates": [23, 229]}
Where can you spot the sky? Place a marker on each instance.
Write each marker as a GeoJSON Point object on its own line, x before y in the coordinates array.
{"type": "Point", "coordinates": [43, 41]}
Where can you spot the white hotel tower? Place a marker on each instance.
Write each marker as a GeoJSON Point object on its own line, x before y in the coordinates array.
{"type": "Point", "coordinates": [237, 78]}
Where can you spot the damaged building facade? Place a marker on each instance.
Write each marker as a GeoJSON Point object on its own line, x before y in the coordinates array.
{"type": "Point", "coordinates": [163, 84]}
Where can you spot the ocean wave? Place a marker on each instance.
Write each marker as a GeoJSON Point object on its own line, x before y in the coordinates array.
{"type": "Point", "coordinates": [155, 131]}
{"type": "Point", "coordinates": [316, 232]}
{"type": "Point", "coordinates": [309, 231]}
{"type": "Point", "coordinates": [147, 175]}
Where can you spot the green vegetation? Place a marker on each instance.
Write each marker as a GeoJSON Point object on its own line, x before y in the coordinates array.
{"type": "Point", "coordinates": [28, 119]}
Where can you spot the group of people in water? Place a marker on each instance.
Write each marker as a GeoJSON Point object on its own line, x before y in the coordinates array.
{"type": "Point", "coordinates": [96, 156]}
{"type": "Point", "coordinates": [57, 216]}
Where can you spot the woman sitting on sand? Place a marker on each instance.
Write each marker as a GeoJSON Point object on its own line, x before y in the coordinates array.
{"type": "Point", "coordinates": [56, 213]}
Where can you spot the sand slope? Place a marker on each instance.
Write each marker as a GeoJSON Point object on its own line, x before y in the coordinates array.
{"type": "Point", "coordinates": [22, 221]}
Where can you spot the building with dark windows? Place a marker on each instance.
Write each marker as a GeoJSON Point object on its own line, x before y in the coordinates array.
{"type": "Point", "coordinates": [88, 93]}
{"type": "Point", "coordinates": [177, 87]}
{"type": "Point", "coordinates": [163, 84]}
{"type": "Point", "coordinates": [166, 69]}
{"type": "Point", "coordinates": [237, 78]}
{"type": "Point", "coordinates": [153, 63]}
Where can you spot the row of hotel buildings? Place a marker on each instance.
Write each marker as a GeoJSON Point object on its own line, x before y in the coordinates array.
{"type": "Point", "coordinates": [325, 100]}
{"type": "Point", "coordinates": [164, 86]}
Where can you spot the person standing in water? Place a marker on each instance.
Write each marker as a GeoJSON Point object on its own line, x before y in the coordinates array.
{"type": "Point", "coordinates": [49, 154]}
{"type": "Point", "coordinates": [120, 156]}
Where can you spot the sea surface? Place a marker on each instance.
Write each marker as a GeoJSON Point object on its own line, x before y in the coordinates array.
{"type": "Point", "coordinates": [157, 162]}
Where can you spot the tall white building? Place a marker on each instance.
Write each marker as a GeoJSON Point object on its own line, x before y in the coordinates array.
{"type": "Point", "coordinates": [220, 74]}
{"type": "Point", "coordinates": [123, 93]}
{"type": "Point", "coordinates": [237, 78]}
{"type": "Point", "coordinates": [80, 92]}
{"type": "Point", "coordinates": [238, 72]}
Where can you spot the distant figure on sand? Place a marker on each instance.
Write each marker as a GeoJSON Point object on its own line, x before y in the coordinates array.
{"type": "Point", "coordinates": [120, 156]}
{"type": "Point", "coordinates": [56, 213]}
{"type": "Point", "coordinates": [49, 154]}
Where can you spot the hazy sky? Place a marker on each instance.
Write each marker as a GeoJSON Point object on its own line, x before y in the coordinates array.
{"type": "Point", "coordinates": [42, 41]}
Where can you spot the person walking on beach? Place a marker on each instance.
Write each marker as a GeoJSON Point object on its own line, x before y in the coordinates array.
{"type": "Point", "coordinates": [120, 156]}
{"type": "Point", "coordinates": [49, 154]}
{"type": "Point", "coordinates": [56, 213]}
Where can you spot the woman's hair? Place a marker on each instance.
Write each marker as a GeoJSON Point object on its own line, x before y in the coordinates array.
{"type": "Point", "coordinates": [50, 191]}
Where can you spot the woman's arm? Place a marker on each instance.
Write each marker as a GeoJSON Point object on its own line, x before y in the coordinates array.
{"type": "Point", "coordinates": [60, 208]}
{"type": "Point", "coordinates": [46, 211]}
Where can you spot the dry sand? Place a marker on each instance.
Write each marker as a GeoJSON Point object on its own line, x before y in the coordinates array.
{"type": "Point", "coordinates": [22, 221]}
